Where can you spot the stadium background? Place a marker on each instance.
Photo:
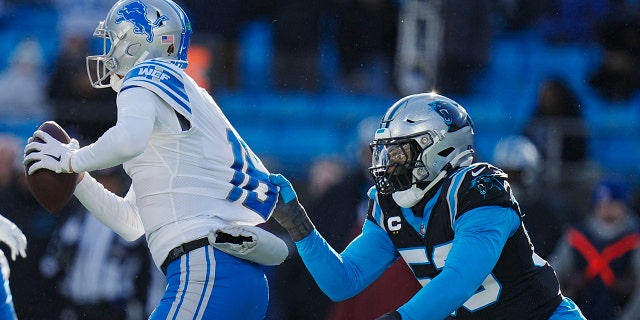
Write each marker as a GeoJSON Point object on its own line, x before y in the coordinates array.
{"type": "Point", "coordinates": [291, 128]}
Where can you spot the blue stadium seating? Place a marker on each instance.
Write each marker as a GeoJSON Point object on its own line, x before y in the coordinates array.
{"type": "Point", "coordinates": [295, 127]}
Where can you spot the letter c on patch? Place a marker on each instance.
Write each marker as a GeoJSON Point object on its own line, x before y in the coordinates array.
{"type": "Point", "coordinates": [393, 224]}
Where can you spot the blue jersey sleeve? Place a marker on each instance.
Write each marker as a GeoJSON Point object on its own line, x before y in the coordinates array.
{"type": "Point", "coordinates": [341, 276]}
{"type": "Point", "coordinates": [480, 235]}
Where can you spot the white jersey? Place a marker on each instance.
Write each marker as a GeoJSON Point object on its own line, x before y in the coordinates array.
{"type": "Point", "coordinates": [193, 173]}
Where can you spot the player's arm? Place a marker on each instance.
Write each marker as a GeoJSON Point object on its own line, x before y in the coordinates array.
{"type": "Point", "coordinates": [342, 276]}
{"type": "Point", "coordinates": [118, 213]}
{"type": "Point", "coordinates": [127, 139]}
{"type": "Point", "coordinates": [480, 236]}
{"type": "Point", "coordinates": [124, 141]}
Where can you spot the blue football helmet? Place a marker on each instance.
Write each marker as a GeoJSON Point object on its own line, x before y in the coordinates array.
{"type": "Point", "coordinates": [420, 138]}
{"type": "Point", "coordinates": [138, 30]}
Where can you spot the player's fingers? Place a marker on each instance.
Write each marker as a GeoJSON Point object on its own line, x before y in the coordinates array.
{"type": "Point", "coordinates": [22, 244]}
{"type": "Point", "coordinates": [32, 146]}
{"type": "Point", "coordinates": [20, 238]}
{"type": "Point", "coordinates": [286, 190]}
{"type": "Point", "coordinates": [279, 180]}
{"type": "Point", "coordinates": [31, 157]}
{"type": "Point", "coordinates": [43, 135]}
{"type": "Point", "coordinates": [37, 165]}
{"type": "Point", "coordinates": [13, 246]}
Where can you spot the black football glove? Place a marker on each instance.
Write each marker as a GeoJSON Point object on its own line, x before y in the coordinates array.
{"type": "Point", "coordinates": [289, 213]}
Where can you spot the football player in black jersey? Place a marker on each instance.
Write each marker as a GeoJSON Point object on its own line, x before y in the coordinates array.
{"type": "Point", "coordinates": [454, 222]}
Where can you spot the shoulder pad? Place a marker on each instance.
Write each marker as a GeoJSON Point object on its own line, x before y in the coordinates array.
{"type": "Point", "coordinates": [162, 78]}
{"type": "Point", "coordinates": [477, 185]}
{"type": "Point", "coordinates": [154, 70]}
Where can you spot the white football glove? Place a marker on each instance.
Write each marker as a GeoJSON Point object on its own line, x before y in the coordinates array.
{"type": "Point", "coordinates": [13, 237]}
{"type": "Point", "coordinates": [50, 154]}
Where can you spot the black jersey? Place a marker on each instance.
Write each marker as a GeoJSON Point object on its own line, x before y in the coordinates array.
{"type": "Point", "coordinates": [525, 285]}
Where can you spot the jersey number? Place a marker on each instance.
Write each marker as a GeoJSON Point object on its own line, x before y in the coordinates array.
{"type": "Point", "coordinates": [488, 293]}
{"type": "Point", "coordinates": [250, 185]}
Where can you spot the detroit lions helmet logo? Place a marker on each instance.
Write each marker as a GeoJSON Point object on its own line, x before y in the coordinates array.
{"type": "Point", "coordinates": [485, 183]}
{"type": "Point", "coordinates": [136, 13]}
{"type": "Point", "coordinates": [453, 116]}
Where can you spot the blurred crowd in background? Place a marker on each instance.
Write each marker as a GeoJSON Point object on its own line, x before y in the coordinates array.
{"type": "Point", "coordinates": [552, 85]}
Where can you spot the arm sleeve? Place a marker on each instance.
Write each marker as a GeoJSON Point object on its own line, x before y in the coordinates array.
{"type": "Point", "coordinates": [119, 214]}
{"type": "Point", "coordinates": [480, 235]}
{"type": "Point", "coordinates": [341, 276]}
{"type": "Point", "coordinates": [127, 139]}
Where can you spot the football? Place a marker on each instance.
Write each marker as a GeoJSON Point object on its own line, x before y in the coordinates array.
{"type": "Point", "coordinates": [52, 190]}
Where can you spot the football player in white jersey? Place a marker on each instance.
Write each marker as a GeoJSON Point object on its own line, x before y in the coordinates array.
{"type": "Point", "coordinates": [197, 188]}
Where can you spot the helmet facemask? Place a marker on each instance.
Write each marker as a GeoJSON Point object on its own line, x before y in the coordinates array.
{"type": "Point", "coordinates": [397, 164]}
{"type": "Point", "coordinates": [100, 68]}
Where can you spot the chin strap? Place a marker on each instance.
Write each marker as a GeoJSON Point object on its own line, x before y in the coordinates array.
{"type": "Point", "coordinates": [116, 82]}
{"type": "Point", "coordinates": [456, 162]}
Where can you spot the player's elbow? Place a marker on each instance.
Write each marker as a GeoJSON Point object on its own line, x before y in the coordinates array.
{"type": "Point", "coordinates": [131, 238]}
{"type": "Point", "coordinates": [130, 235]}
{"type": "Point", "coordinates": [338, 293]}
{"type": "Point", "coordinates": [339, 297]}
{"type": "Point", "coordinates": [130, 231]}
{"type": "Point", "coordinates": [466, 285]}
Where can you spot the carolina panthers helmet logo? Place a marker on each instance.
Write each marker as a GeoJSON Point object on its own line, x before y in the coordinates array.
{"type": "Point", "coordinates": [136, 13]}
{"type": "Point", "coordinates": [453, 116]}
{"type": "Point", "coordinates": [485, 183]}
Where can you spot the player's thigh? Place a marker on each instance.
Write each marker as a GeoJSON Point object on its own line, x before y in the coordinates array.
{"type": "Point", "coordinates": [210, 284]}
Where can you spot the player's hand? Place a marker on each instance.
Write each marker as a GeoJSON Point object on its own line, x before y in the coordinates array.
{"type": "Point", "coordinates": [13, 237]}
{"type": "Point", "coordinates": [286, 189]}
{"type": "Point", "coordinates": [50, 154]}
{"type": "Point", "coordinates": [289, 213]}
{"type": "Point", "coordinates": [393, 315]}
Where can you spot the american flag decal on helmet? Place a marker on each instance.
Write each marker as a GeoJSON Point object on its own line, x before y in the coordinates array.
{"type": "Point", "coordinates": [167, 39]}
